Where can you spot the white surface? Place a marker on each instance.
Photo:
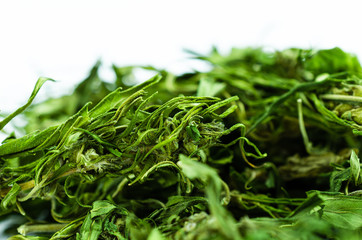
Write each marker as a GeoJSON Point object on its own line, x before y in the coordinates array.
{"type": "Point", "coordinates": [63, 39]}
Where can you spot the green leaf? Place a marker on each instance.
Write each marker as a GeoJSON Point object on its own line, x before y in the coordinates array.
{"type": "Point", "coordinates": [155, 235]}
{"type": "Point", "coordinates": [69, 230]}
{"type": "Point", "coordinates": [332, 61]}
{"type": "Point", "coordinates": [208, 87]}
{"type": "Point", "coordinates": [116, 97]}
{"type": "Point", "coordinates": [355, 167]}
{"type": "Point", "coordinates": [91, 229]}
{"type": "Point", "coordinates": [313, 201]}
{"type": "Point", "coordinates": [51, 136]}
{"type": "Point", "coordinates": [196, 170]}
{"type": "Point", "coordinates": [10, 197]}
{"type": "Point", "coordinates": [36, 89]}
{"type": "Point", "coordinates": [177, 206]}
{"type": "Point", "coordinates": [193, 132]}
{"type": "Point", "coordinates": [28, 142]}
{"type": "Point", "coordinates": [301, 87]}
{"type": "Point", "coordinates": [342, 211]}
{"type": "Point", "coordinates": [337, 178]}
{"type": "Point", "coordinates": [101, 207]}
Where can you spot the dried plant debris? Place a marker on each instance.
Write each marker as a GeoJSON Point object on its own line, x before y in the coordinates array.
{"type": "Point", "coordinates": [265, 145]}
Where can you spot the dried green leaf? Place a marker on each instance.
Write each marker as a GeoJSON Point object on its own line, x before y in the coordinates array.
{"type": "Point", "coordinates": [10, 197]}
{"type": "Point", "coordinates": [36, 89]}
{"type": "Point", "coordinates": [208, 87]}
{"type": "Point", "coordinates": [355, 167]}
{"type": "Point", "coordinates": [101, 208]}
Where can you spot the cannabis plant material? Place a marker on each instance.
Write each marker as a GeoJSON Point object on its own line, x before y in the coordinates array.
{"type": "Point", "coordinates": [265, 145]}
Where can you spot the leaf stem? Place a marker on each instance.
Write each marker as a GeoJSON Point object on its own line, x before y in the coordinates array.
{"type": "Point", "coordinates": [339, 97]}
{"type": "Point", "coordinates": [30, 184]}
{"type": "Point", "coordinates": [303, 131]}
{"type": "Point", "coordinates": [40, 228]}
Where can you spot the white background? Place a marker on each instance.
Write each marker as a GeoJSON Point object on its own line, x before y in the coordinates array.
{"type": "Point", "coordinates": [63, 39]}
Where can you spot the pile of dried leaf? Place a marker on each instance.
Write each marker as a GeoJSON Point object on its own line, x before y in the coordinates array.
{"type": "Point", "coordinates": [265, 145]}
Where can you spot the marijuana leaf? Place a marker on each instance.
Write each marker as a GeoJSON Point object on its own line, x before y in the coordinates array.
{"type": "Point", "coordinates": [245, 150]}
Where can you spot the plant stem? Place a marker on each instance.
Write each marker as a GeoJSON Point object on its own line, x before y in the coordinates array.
{"type": "Point", "coordinates": [338, 97]}
{"type": "Point", "coordinates": [30, 184]}
{"type": "Point", "coordinates": [40, 228]}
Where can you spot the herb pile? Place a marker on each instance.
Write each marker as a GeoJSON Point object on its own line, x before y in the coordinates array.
{"type": "Point", "coordinates": [265, 145]}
